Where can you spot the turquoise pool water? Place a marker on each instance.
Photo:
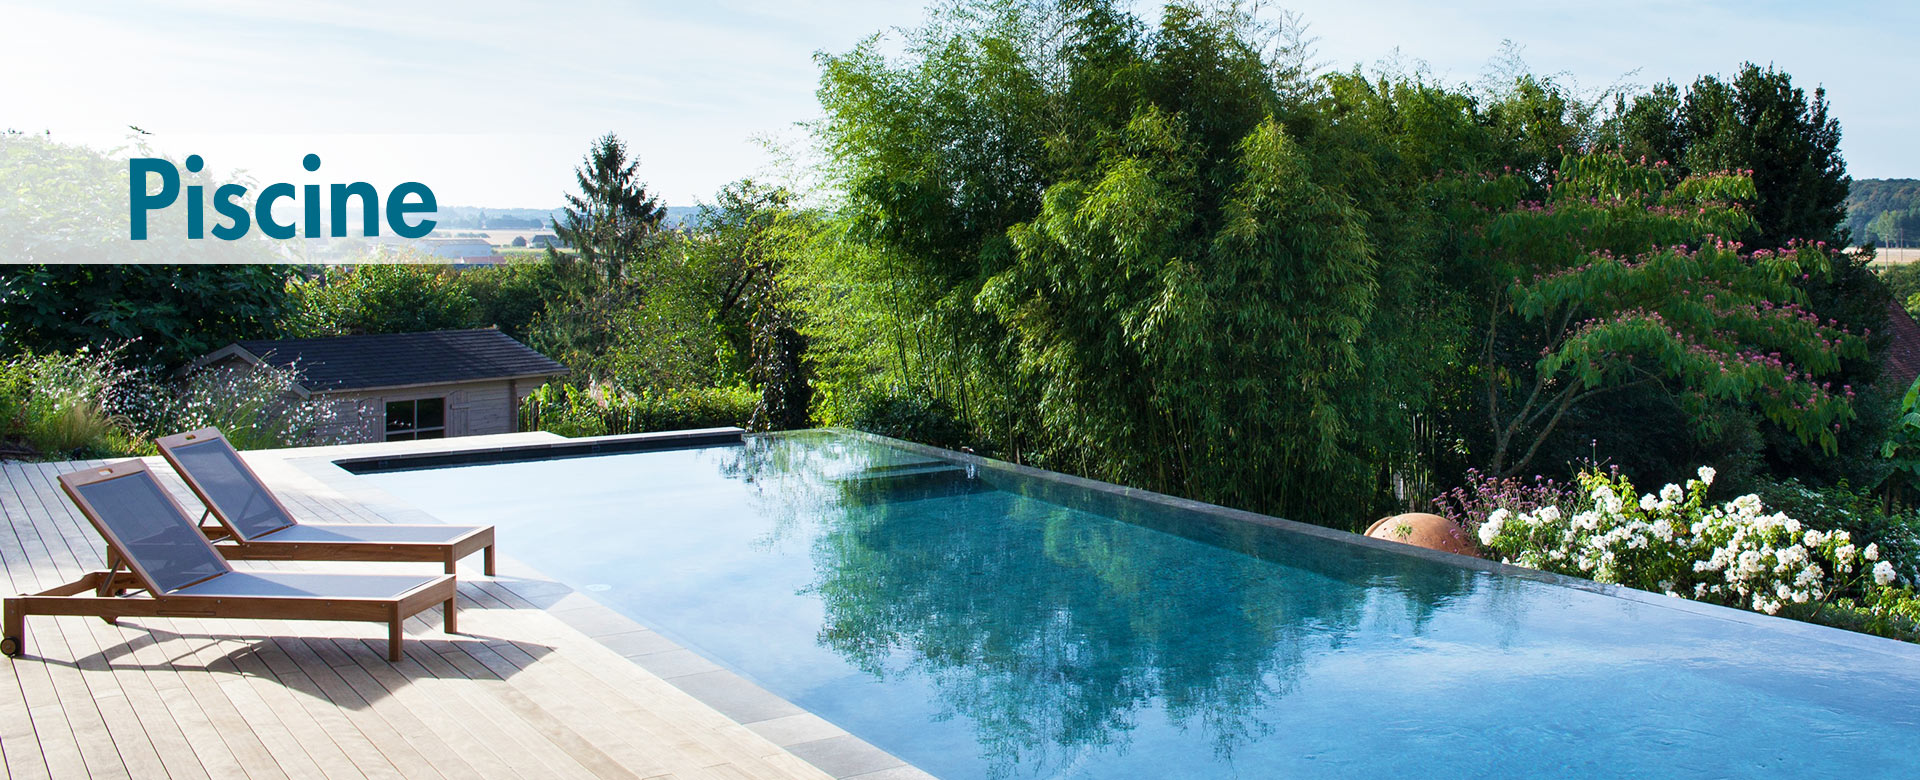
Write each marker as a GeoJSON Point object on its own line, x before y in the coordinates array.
{"type": "Point", "coordinates": [984, 624]}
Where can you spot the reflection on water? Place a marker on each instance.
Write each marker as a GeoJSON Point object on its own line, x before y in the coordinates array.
{"type": "Point", "coordinates": [986, 624]}
{"type": "Point", "coordinates": [1049, 632]}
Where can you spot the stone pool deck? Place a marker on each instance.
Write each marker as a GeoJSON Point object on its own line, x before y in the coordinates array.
{"type": "Point", "coordinates": [541, 681]}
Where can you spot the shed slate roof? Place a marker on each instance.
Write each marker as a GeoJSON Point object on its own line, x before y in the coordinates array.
{"type": "Point", "coordinates": [1903, 352]}
{"type": "Point", "coordinates": [402, 359]}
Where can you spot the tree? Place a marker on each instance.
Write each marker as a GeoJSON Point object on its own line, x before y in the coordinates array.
{"type": "Point", "coordinates": [1619, 280]}
{"type": "Point", "coordinates": [173, 313]}
{"type": "Point", "coordinates": [1135, 254]}
{"type": "Point", "coordinates": [78, 281]}
{"type": "Point", "coordinates": [609, 222]}
{"type": "Point", "coordinates": [510, 296]}
{"type": "Point", "coordinates": [1896, 227]}
{"type": "Point", "coordinates": [1220, 368]}
{"type": "Point", "coordinates": [377, 298]}
{"type": "Point", "coordinates": [1867, 199]}
{"type": "Point", "coordinates": [1758, 122]}
{"type": "Point", "coordinates": [1788, 144]}
{"type": "Point", "coordinates": [741, 246]}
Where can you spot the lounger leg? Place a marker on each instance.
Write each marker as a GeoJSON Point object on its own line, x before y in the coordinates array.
{"type": "Point", "coordinates": [15, 627]}
{"type": "Point", "coordinates": [394, 635]}
{"type": "Point", "coordinates": [452, 628]}
{"type": "Point", "coordinates": [451, 563]}
{"type": "Point", "coordinates": [489, 553]}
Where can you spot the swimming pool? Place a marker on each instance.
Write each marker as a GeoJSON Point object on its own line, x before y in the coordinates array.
{"type": "Point", "coordinates": [983, 622]}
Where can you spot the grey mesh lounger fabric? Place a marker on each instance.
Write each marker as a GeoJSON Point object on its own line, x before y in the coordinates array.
{"type": "Point", "coordinates": [182, 575]}
{"type": "Point", "coordinates": [256, 526]}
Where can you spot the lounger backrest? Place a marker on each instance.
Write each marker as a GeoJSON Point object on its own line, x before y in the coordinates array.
{"type": "Point", "coordinates": [142, 521]}
{"type": "Point", "coordinates": [217, 474]}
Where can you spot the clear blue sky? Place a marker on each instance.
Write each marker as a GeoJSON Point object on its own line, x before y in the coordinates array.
{"type": "Point", "coordinates": [492, 103]}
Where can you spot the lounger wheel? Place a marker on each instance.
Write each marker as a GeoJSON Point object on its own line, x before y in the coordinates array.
{"type": "Point", "coordinates": [10, 646]}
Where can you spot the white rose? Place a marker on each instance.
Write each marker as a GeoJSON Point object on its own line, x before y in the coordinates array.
{"type": "Point", "coordinates": [1883, 574]}
{"type": "Point", "coordinates": [1706, 474]}
{"type": "Point", "coordinates": [1490, 530]}
{"type": "Point", "coordinates": [1872, 553]}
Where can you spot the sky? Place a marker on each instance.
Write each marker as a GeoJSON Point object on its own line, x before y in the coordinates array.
{"type": "Point", "coordinates": [492, 103]}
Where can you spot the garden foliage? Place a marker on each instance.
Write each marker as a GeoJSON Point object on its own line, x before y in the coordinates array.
{"type": "Point", "coordinates": [599, 410]}
{"type": "Point", "coordinates": [1679, 542]}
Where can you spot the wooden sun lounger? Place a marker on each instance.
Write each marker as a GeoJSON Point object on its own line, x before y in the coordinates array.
{"type": "Point", "coordinates": [258, 527]}
{"type": "Point", "coordinates": [182, 575]}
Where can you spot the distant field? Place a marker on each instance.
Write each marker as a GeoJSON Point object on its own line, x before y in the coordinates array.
{"type": "Point", "coordinates": [1894, 256]}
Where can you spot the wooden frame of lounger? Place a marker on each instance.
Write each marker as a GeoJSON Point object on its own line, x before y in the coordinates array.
{"type": "Point", "coordinates": [105, 601]}
{"type": "Point", "coordinates": [238, 545]}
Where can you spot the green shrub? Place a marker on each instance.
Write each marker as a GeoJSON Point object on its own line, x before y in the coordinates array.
{"type": "Point", "coordinates": [83, 405]}
{"type": "Point", "coordinates": [1858, 512]}
{"type": "Point", "coordinates": [256, 407]}
{"type": "Point", "coordinates": [918, 418]}
{"type": "Point", "coordinates": [598, 410]}
{"type": "Point", "coordinates": [1741, 553]}
{"type": "Point", "coordinates": [377, 298]}
{"type": "Point", "coordinates": [59, 405]}
{"type": "Point", "coordinates": [1890, 612]}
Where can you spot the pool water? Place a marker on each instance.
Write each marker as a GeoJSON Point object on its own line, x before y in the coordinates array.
{"type": "Point", "coordinates": [981, 623]}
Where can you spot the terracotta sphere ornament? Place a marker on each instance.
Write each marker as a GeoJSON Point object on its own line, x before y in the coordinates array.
{"type": "Point", "coordinates": [1421, 529]}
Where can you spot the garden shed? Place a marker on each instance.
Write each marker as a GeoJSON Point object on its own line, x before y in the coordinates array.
{"type": "Point", "coordinates": [404, 386]}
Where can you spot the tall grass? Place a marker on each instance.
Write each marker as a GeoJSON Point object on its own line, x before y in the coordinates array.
{"type": "Point", "coordinates": [256, 407]}
{"type": "Point", "coordinates": [63, 406]}
{"type": "Point", "coordinates": [60, 405]}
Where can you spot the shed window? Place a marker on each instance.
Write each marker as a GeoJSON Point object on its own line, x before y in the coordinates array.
{"type": "Point", "coordinates": [422, 418]}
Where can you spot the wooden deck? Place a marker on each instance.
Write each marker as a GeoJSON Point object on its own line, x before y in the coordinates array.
{"type": "Point", "coordinates": [518, 693]}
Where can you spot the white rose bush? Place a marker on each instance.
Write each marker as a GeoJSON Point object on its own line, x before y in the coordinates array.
{"type": "Point", "coordinates": [1677, 542]}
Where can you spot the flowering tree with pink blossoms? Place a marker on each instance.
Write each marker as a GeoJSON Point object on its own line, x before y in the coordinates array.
{"type": "Point", "coordinates": [1617, 279]}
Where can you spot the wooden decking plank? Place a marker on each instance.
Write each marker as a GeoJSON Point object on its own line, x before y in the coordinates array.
{"type": "Point", "coordinates": [522, 695]}
{"type": "Point", "coordinates": [287, 753]}
{"type": "Point", "coordinates": [606, 674]}
{"type": "Point", "coordinates": [161, 727]}
{"type": "Point", "coordinates": [329, 713]}
{"type": "Point", "coordinates": [49, 737]}
{"type": "Point", "coordinates": [516, 701]}
{"type": "Point", "coordinates": [19, 749]}
{"type": "Point", "coordinates": [530, 750]}
{"type": "Point", "coordinates": [46, 639]}
{"type": "Point", "coordinates": [545, 681]}
{"type": "Point", "coordinates": [189, 657]}
{"type": "Point", "coordinates": [284, 705]}
{"type": "Point", "coordinates": [656, 733]}
{"type": "Point", "coordinates": [406, 742]}
{"type": "Point", "coordinates": [146, 725]}
{"type": "Point", "coordinates": [449, 718]}
{"type": "Point", "coordinates": [149, 738]}
{"type": "Point", "coordinates": [143, 687]}
{"type": "Point", "coordinates": [223, 742]}
{"type": "Point", "coordinates": [669, 715]}
{"type": "Point", "coordinates": [702, 738]}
